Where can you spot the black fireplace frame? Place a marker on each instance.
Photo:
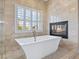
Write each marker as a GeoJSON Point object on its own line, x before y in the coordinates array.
{"type": "Point", "coordinates": [59, 23]}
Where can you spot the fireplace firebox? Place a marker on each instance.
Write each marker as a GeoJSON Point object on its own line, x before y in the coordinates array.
{"type": "Point", "coordinates": [59, 29]}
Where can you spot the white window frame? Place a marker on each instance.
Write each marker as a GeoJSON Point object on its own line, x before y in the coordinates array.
{"type": "Point", "coordinates": [23, 31]}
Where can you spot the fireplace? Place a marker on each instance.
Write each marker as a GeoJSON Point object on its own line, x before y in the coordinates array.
{"type": "Point", "coordinates": [59, 29]}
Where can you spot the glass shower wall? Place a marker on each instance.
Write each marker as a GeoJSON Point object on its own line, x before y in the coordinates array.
{"type": "Point", "coordinates": [1, 29]}
{"type": "Point", "coordinates": [1, 19]}
{"type": "Point", "coordinates": [9, 48]}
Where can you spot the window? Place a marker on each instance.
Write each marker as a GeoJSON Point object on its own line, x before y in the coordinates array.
{"type": "Point", "coordinates": [26, 18]}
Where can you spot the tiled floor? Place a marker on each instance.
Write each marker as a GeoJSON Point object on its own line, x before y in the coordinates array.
{"type": "Point", "coordinates": [11, 50]}
{"type": "Point", "coordinates": [76, 56]}
{"type": "Point", "coordinates": [65, 51]}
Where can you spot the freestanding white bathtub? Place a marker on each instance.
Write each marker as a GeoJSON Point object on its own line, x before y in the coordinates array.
{"type": "Point", "coordinates": [43, 46]}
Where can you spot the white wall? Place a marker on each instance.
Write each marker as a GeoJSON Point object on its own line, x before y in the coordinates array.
{"type": "Point", "coordinates": [65, 10]}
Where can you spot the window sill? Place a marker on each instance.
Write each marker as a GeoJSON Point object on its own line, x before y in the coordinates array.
{"type": "Point", "coordinates": [26, 32]}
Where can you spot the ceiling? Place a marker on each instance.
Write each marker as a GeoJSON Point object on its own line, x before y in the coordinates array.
{"type": "Point", "coordinates": [45, 0]}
